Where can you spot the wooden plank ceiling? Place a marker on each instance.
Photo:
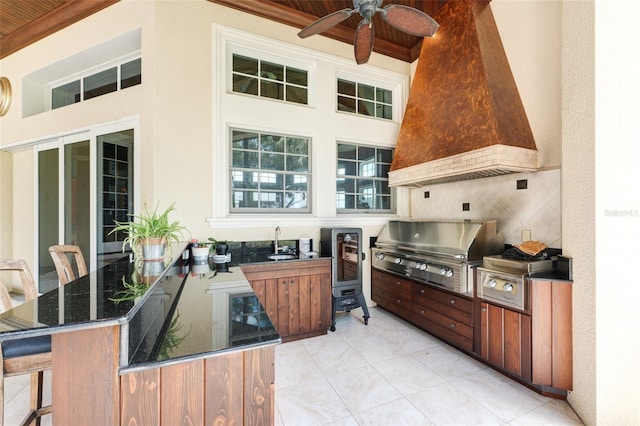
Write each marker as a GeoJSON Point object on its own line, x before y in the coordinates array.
{"type": "Point", "coordinates": [23, 22]}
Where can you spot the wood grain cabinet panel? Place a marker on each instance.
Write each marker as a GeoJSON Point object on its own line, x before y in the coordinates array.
{"type": "Point", "coordinates": [297, 296]}
{"type": "Point", "coordinates": [505, 339]}
{"type": "Point", "coordinates": [448, 316]}
{"type": "Point", "coordinates": [391, 292]}
{"type": "Point", "coordinates": [231, 389]}
{"type": "Point", "coordinates": [552, 345]}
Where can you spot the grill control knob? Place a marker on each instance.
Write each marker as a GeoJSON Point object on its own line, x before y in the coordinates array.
{"type": "Point", "coordinates": [423, 267]}
{"type": "Point", "coordinates": [448, 273]}
{"type": "Point", "coordinates": [398, 261]}
{"type": "Point", "coordinates": [492, 283]}
{"type": "Point", "coordinates": [508, 287]}
{"type": "Point", "coordinates": [380, 256]}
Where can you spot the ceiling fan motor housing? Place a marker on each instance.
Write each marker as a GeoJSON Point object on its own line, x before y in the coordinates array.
{"type": "Point", "coordinates": [367, 8]}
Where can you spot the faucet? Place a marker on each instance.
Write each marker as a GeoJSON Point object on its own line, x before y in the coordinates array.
{"type": "Point", "coordinates": [275, 243]}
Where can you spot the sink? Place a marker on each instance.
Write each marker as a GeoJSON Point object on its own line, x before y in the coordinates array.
{"type": "Point", "coordinates": [281, 256]}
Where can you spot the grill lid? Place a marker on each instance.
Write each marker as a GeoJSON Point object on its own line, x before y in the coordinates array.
{"type": "Point", "coordinates": [463, 240]}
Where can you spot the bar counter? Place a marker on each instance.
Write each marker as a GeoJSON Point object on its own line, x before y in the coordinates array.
{"type": "Point", "coordinates": [157, 340]}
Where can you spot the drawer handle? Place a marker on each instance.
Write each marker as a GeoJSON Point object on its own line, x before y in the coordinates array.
{"type": "Point", "coordinates": [422, 312]}
{"type": "Point", "coordinates": [452, 301]}
{"type": "Point", "coordinates": [397, 300]}
{"type": "Point", "coordinates": [452, 325]}
{"type": "Point", "coordinates": [422, 291]}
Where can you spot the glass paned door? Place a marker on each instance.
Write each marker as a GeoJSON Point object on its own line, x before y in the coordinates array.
{"type": "Point", "coordinates": [77, 197]}
{"type": "Point", "coordinates": [115, 188]}
{"type": "Point", "coordinates": [48, 229]}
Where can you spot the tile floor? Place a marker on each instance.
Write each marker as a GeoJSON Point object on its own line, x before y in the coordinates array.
{"type": "Point", "coordinates": [391, 373]}
{"type": "Point", "coordinates": [386, 373]}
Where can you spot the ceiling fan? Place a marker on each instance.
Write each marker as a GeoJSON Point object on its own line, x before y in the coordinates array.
{"type": "Point", "coordinates": [404, 18]}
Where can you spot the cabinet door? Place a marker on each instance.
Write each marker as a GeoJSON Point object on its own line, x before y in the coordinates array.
{"type": "Point", "coordinates": [551, 336]}
{"type": "Point", "coordinates": [505, 338]}
{"type": "Point", "coordinates": [267, 293]}
{"type": "Point", "coordinates": [288, 306]}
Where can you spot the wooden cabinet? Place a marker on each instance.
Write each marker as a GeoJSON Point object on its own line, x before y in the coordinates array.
{"type": "Point", "coordinates": [552, 346]}
{"type": "Point", "coordinates": [537, 347]}
{"type": "Point", "coordinates": [235, 388]}
{"type": "Point", "coordinates": [443, 314]}
{"type": "Point", "coordinates": [295, 295]}
{"type": "Point", "coordinates": [505, 339]}
{"type": "Point", "coordinates": [391, 292]}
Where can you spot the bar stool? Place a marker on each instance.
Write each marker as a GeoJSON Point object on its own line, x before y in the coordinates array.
{"type": "Point", "coordinates": [61, 255]}
{"type": "Point", "coordinates": [29, 355]}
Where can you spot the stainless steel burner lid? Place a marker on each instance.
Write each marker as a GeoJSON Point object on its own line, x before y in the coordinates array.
{"type": "Point", "coordinates": [462, 240]}
{"type": "Point", "coordinates": [500, 263]}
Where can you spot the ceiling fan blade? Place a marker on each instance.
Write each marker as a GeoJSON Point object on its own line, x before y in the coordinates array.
{"type": "Point", "coordinates": [363, 43]}
{"type": "Point", "coordinates": [326, 22]}
{"type": "Point", "coordinates": [409, 20]}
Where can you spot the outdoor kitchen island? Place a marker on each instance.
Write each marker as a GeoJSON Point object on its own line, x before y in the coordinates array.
{"type": "Point", "coordinates": [132, 344]}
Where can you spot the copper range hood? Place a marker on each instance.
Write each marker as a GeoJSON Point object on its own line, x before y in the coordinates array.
{"type": "Point", "coordinates": [464, 117]}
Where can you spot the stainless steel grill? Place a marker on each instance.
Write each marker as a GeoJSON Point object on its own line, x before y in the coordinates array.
{"type": "Point", "coordinates": [440, 253]}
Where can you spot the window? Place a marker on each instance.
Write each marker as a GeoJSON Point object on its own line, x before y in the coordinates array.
{"type": "Point", "coordinates": [269, 172]}
{"type": "Point", "coordinates": [269, 80]}
{"type": "Point", "coordinates": [363, 99]}
{"type": "Point", "coordinates": [362, 181]}
{"type": "Point", "coordinates": [127, 74]}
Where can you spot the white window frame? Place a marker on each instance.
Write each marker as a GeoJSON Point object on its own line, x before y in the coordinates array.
{"type": "Point", "coordinates": [317, 121]}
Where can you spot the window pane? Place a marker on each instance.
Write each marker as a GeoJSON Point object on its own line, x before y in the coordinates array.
{"type": "Point", "coordinates": [296, 182]}
{"type": "Point", "coordinates": [271, 89]}
{"type": "Point", "coordinates": [296, 76]}
{"type": "Point", "coordinates": [240, 179]}
{"type": "Point", "coordinates": [383, 170]}
{"type": "Point", "coordinates": [366, 108]}
{"type": "Point", "coordinates": [271, 161]}
{"type": "Point", "coordinates": [272, 200]}
{"type": "Point", "coordinates": [384, 111]}
{"type": "Point", "coordinates": [245, 159]}
{"type": "Point", "coordinates": [384, 155]}
{"type": "Point", "coordinates": [383, 202]}
{"type": "Point", "coordinates": [295, 200]}
{"type": "Point", "coordinates": [244, 140]}
{"type": "Point", "coordinates": [297, 163]}
{"type": "Point", "coordinates": [346, 87]}
{"type": "Point", "coordinates": [245, 65]}
{"type": "Point", "coordinates": [347, 151]}
{"type": "Point", "coordinates": [297, 146]}
{"type": "Point", "coordinates": [347, 168]}
{"type": "Point", "coordinates": [365, 202]}
{"type": "Point", "coordinates": [131, 73]}
{"type": "Point", "coordinates": [272, 71]}
{"type": "Point", "coordinates": [366, 153]}
{"type": "Point", "coordinates": [383, 95]}
{"type": "Point", "coordinates": [366, 92]}
{"type": "Point", "coordinates": [66, 94]}
{"type": "Point", "coordinates": [244, 84]}
{"type": "Point", "coordinates": [349, 201]}
{"type": "Point", "coordinates": [347, 185]}
{"type": "Point", "coordinates": [248, 199]}
{"type": "Point", "coordinates": [272, 143]}
{"type": "Point", "coordinates": [346, 104]}
{"type": "Point", "coordinates": [100, 83]}
{"type": "Point", "coordinates": [297, 95]}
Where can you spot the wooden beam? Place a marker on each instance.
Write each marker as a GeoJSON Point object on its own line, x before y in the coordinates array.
{"type": "Point", "coordinates": [61, 17]}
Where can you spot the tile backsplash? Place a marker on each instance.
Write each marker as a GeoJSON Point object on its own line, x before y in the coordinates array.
{"type": "Point", "coordinates": [534, 210]}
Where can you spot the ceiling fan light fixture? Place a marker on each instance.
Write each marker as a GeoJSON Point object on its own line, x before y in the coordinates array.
{"type": "Point", "coordinates": [404, 18]}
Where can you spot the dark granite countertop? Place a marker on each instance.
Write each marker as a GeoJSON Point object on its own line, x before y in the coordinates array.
{"type": "Point", "coordinates": [167, 310]}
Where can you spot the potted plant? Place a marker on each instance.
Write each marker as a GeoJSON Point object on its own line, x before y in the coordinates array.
{"type": "Point", "coordinates": [200, 250]}
{"type": "Point", "coordinates": [149, 233]}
